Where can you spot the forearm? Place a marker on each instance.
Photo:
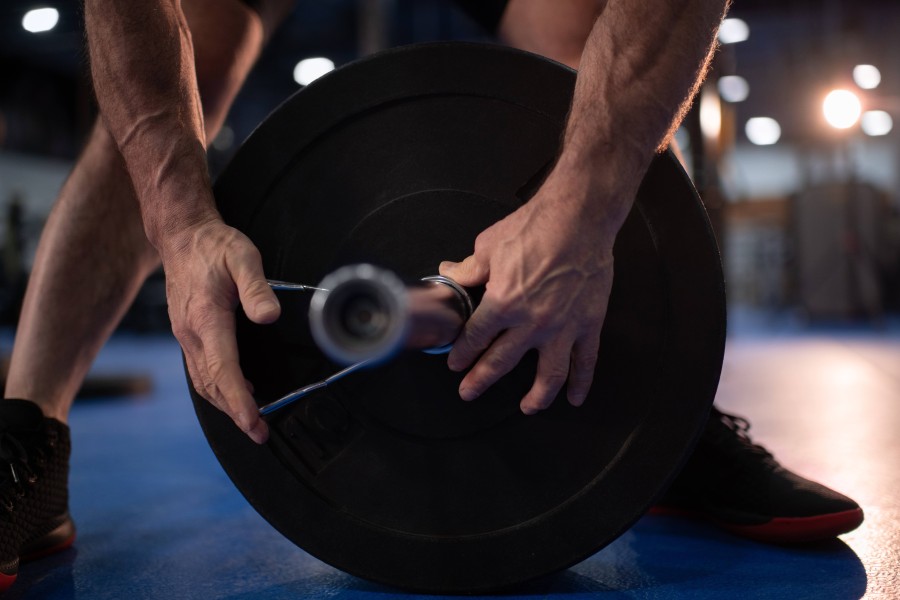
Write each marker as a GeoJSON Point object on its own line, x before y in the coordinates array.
{"type": "Point", "coordinates": [641, 66]}
{"type": "Point", "coordinates": [143, 69]}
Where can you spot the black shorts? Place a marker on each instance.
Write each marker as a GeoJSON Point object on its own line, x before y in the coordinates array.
{"type": "Point", "coordinates": [254, 4]}
{"type": "Point", "coordinates": [486, 13]}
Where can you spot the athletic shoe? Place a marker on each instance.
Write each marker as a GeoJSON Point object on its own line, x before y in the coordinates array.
{"type": "Point", "coordinates": [740, 487]}
{"type": "Point", "coordinates": [34, 466]}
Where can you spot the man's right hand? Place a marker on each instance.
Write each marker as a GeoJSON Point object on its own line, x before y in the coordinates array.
{"type": "Point", "coordinates": [210, 267]}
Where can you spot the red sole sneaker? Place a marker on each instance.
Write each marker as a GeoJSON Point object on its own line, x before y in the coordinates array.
{"type": "Point", "coordinates": [781, 530]}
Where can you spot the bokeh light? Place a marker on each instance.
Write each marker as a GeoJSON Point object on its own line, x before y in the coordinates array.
{"type": "Point", "coordinates": [733, 31]}
{"type": "Point", "coordinates": [842, 109]}
{"type": "Point", "coordinates": [876, 123]}
{"type": "Point", "coordinates": [866, 76]}
{"type": "Point", "coordinates": [310, 69]}
{"type": "Point", "coordinates": [763, 131]}
{"type": "Point", "coordinates": [733, 88]}
{"type": "Point", "coordinates": [40, 19]}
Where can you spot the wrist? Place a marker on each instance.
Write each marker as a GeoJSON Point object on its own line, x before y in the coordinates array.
{"type": "Point", "coordinates": [597, 192]}
{"type": "Point", "coordinates": [173, 188]}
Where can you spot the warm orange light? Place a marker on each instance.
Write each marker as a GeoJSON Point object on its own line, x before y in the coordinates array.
{"type": "Point", "coordinates": [842, 109]}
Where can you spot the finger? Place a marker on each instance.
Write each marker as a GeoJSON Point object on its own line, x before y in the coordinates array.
{"type": "Point", "coordinates": [478, 333]}
{"type": "Point", "coordinates": [552, 370]}
{"type": "Point", "coordinates": [469, 273]}
{"type": "Point", "coordinates": [502, 356]}
{"type": "Point", "coordinates": [259, 301]}
{"type": "Point", "coordinates": [581, 373]}
{"type": "Point", "coordinates": [227, 383]}
{"type": "Point", "coordinates": [193, 371]}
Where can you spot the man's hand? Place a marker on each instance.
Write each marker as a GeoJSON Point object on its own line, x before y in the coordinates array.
{"type": "Point", "coordinates": [209, 268]}
{"type": "Point", "coordinates": [549, 273]}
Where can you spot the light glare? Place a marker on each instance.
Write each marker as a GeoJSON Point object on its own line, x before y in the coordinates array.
{"type": "Point", "coordinates": [40, 19]}
{"type": "Point", "coordinates": [310, 69]}
{"type": "Point", "coordinates": [710, 114]}
{"type": "Point", "coordinates": [842, 109]}
{"type": "Point", "coordinates": [763, 131]}
{"type": "Point", "coordinates": [876, 122]}
{"type": "Point", "coordinates": [866, 76]}
{"type": "Point", "coordinates": [733, 31]}
{"type": "Point", "coordinates": [734, 88]}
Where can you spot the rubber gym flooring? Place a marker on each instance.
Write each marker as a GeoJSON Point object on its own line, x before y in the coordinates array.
{"type": "Point", "coordinates": [158, 518]}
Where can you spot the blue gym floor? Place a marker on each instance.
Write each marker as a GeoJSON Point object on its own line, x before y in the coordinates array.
{"type": "Point", "coordinates": [158, 518]}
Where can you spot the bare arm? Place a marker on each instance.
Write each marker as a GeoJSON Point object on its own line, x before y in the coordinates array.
{"type": "Point", "coordinates": [640, 69]}
{"type": "Point", "coordinates": [142, 61]}
{"type": "Point", "coordinates": [548, 266]}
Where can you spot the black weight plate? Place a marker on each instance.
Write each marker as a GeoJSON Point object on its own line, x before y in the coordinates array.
{"type": "Point", "coordinates": [400, 160]}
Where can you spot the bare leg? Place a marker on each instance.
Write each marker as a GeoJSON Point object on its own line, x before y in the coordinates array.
{"type": "Point", "coordinates": [552, 28]}
{"type": "Point", "coordinates": [555, 29]}
{"type": "Point", "coordinates": [93, 255]}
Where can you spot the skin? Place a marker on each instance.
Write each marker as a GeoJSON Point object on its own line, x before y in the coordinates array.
{"type": "Point", "coordinates": [547, 281]}
{"type": "Point", "coordinates": [140, 194]}
{"type": "Point", "coordinates": [94, 253]}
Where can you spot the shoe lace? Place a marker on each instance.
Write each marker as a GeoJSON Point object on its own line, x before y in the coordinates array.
{"type": "Point", "coordinates": [734, 434]}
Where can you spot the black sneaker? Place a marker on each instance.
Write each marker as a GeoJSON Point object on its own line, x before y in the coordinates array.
{"type": "Point", "coordinates": [34, 497]}
{"type": "Point", "coordinates": [739, 486]}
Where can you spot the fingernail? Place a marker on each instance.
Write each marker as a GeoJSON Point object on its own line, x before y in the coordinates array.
{"type": "Point", "coordinates": [529, 410]}
{"type": "Point", "coordinates": [260, 433]}
{"type": "Point", "coordinates": [267, 307]}
{"type": "Point", "coordinates": [468, 394]}
{"type": "Point", "coordinates": [576, 400]}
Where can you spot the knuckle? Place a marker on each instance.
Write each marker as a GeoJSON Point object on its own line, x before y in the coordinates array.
{"type": "Point", "coordinates": [554, 379]}
{"type": "Point", "coordinates": [210, 390]}
{"type": "Point", "coordinates": [482, 244]}
{"type": "Point", "coordinates": [216, 369]}
{"type": "Point", "coordinates": [494, 365]}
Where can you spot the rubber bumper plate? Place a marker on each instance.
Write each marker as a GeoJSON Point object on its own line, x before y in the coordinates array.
{"type": "Point", "coordinates": [400, 160]}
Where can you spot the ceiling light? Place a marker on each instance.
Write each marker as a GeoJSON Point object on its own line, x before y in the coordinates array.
{"type": "Point", "coordinates": [842, 109]}
{"type": "Point", "coordinates": [866, 76]}
{"type": "Point", "coordinates": [733, 31]}
{"type": "Point", "coordinates": [763, 131]}
{"type": "Point", "coordinates": [733, 88]}
{"type": "Point", "coordinates": [310, 69]}
{"type": "Point", "coordinates": [876, 122]}
{"type": "Point", "coordinates": [40, 19]}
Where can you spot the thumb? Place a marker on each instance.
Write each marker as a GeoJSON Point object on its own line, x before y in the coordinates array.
{"type": "Point", "coordinates": [468, 273]}
{"type": "Point", "coordinates": [256, 296]}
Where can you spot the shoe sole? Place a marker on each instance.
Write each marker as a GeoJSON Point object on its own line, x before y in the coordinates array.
{"type": "Point", "coordinates": [781, 530]}
{"type": "Point", "coordinates": [57, 540]}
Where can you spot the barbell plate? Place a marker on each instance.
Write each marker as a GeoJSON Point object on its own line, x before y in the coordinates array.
{"type": "Point", "coordinates": [400, 160]}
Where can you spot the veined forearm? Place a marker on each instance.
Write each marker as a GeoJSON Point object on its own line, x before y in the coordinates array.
{"type": "Point", "coordinates": [143, 69]}
{"type": "Point", "coordinates": [641, 66]}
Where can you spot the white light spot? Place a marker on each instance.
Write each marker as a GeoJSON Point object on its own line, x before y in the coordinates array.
{"type": "Point", "coordinates": [734, 88]}
{"type": "Point", "coordinates": [733, 31]}
{"type": "Point", "coordinates": [310, 69]}
{"type": "Point", "coordinates": [710, 113]}
{"type": "Point", "coordinates": [763, 131]}
{"type": "Point", "coordinates": [40, 19]}
{"type": "Point", "coordinates": [876, 122]}
{"type": "Point", "coordinates": [866, 76]}
{"type": "Point", "coordinates": [842, 109]}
